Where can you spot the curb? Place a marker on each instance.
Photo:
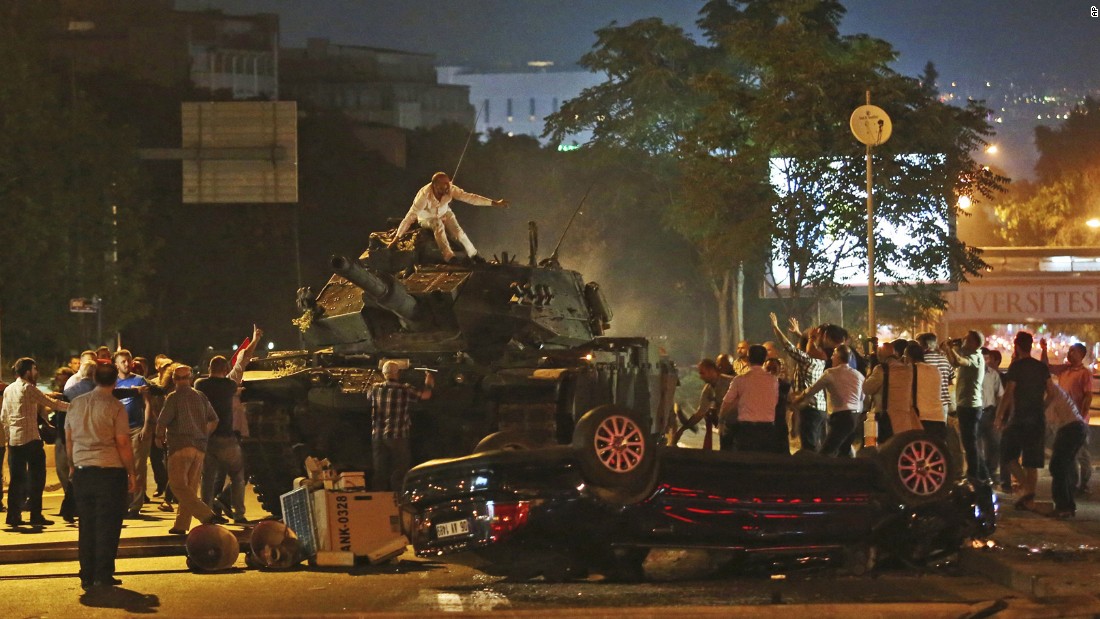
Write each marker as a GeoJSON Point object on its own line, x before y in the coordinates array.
{"type": "Point", "coordinates": [1035, 580]}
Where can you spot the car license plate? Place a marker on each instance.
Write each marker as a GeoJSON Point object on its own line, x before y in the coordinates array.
{"type": "Point", "coordinates": [451, 529]}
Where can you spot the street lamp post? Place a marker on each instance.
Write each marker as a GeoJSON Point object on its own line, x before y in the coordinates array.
{"type": "Point", "coordinates": [871, 126]}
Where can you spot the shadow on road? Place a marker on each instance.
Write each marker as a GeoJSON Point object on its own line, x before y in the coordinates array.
{"type": "Point", "coordinates": [124, 599]}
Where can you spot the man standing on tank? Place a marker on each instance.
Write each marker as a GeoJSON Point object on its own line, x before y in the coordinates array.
{"type": "Point", "coordinates": [431, 208]}
{"type": "Point", "coordinates": [390, 425]}
{"type": "Point", "coordinates": [101, 466]}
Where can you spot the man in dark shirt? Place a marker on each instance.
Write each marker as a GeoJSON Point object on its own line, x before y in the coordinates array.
{"type": "Point", "coordinates": [223, 451]}
{"type": "Point", "coordinates": [1021, 415]}
{"type": "Point", "coordinates": [390, 424]}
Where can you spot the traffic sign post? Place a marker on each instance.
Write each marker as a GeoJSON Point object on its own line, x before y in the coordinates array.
{"type": "Point", "coordinates": [81, 305]}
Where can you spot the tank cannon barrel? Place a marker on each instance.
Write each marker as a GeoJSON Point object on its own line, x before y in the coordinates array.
{"type": "Point", "coordinates": [382, 289]}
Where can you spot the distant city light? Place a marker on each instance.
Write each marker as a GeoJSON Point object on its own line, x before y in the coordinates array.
{"type": "Point", "coordinates": [235, 347]}
{"type": "Point", "coordinates": [964, 202]}
{"type": "Point", "coordinates": [1093, 223]}
{"type": "Point", "coordinates": [271, 345]}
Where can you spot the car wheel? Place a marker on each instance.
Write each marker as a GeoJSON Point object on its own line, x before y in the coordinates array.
{"type": "Point", "coordinates": [510, 441]}
{"type": "Point", "coordinates": [917, 467]}
{"type": "Point", "coordinates": [617, 455]}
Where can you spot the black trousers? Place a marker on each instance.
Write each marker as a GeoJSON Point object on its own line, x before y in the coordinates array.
{"type": "Point", "coordinates": [841, 431]}
{"type": "Point", "coordinates": [27, 464]}
{"type": "Point", "coordinates": [1063, 460]}
{"type": "Point", "coordinates": [754, 436]}
{"type": "Point", "coordinates": [970, 418]}
{"type": "Point", "coordinates": [101, 502]}
{"type": "Point", "coordinates": [157, 459]}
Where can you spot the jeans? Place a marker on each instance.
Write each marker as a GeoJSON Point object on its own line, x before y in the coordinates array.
{"type": "Point", "coordinates": [969, 420]}
{"type": "Point", "coordinates": [1067, 442]}
{"type": "Point", "coordinates": [391, 458]}
{"type": "Point", "coordinates": [101, 499]}
{"type": "Point", "coordinates": [223, 457]}
{"type": "Point", "coordinates": [184, 474]}
{"type": "Point", "coordinates": [27, 466]}
{"type": "Point", "coordinates": [811, 428]}
{"type": "Point", "coordinates": [989, 442]}
{"type": "Point", "coordinates": [61, 467]}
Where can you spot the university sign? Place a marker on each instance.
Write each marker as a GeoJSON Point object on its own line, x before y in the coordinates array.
{"type": "Point", "coordinates": [1025, 299]}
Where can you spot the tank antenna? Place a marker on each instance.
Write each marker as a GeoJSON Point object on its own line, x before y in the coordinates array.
{"type": "Point", "coordinates": [554, 256]}
{"type": "Point", "coordinates": [471, 134]}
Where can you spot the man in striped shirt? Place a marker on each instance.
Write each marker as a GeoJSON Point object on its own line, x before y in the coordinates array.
{"type": "Point", "coordinates": [185, 424]}
{"type": "Point", "coordinates": [390, 425]}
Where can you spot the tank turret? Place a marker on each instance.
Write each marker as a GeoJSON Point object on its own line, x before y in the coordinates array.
{"type": "Point", "coordinates": [383, 290]}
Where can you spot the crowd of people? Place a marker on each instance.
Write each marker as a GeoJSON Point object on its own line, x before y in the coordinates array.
{"type": "Point", "coordinates": [810, 390]}
{"type": "Point", "coordinates": [115, 416]}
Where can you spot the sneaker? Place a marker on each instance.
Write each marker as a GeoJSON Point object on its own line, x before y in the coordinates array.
{"type": "Point", "coordinates": [108, 582]}
{"type": "Point", "coordinates": [166, 507]}
{"type": "Point", "coordinates": [216, 519]}
{"type": "Point", "coordinates": [1063, 514]}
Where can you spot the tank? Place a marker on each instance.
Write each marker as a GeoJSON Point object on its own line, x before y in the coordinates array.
{"type": "Point", "coordinates": [518, 350]}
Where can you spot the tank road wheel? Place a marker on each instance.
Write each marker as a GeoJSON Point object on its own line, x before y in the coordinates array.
{"type": "Point", "coordinates": [272, 469]}
{"type": "Point", "coordinates": [917, 467]}
{"type": "Point", "coordinates": [617, 455]}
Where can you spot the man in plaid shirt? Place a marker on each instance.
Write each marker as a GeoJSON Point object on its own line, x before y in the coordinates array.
{"type": "Point", "coordinates": [810, 415]}
{"type": "Point", "coordinates": [389, 405]}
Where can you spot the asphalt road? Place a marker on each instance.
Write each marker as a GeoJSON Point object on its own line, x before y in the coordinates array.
{"type": "Point", "coordinates": [165, 587]}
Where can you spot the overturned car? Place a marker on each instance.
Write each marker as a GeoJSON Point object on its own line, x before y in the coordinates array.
{"type": "Point", "coordinates": [603, 502]}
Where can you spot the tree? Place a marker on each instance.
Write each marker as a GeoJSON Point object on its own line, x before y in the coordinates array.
{"type": "Point", "coordinates": [71, 189]}
{"type": "Point", "coordinates": [1053, 210]}
{"type": "Point", "coordinates": [774, 88]}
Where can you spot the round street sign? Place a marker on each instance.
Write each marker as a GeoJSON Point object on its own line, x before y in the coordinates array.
{"type": "Point", "coordinates": [871, 125]}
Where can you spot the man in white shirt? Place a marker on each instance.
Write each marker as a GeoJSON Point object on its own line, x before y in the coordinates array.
{"type": "Point", "coordinates": [844, 388]}
{"type": "Point", "coordinates": [431, 207]}
{"type": "Point", "coordinates": [749, 405]}
{"type": "Point", "coordinates": [27, 457]}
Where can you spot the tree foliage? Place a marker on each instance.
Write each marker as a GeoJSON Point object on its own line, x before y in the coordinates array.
{"type": "Point", "coordinates": [773, 84]}
{"type": "Point", "coordinates": [72, 193]}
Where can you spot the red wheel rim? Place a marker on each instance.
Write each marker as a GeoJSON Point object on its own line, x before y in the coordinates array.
{"type": "Point", "coordinates": [619, 443]}
{"type": "Point", "coordinates": [922, 468]}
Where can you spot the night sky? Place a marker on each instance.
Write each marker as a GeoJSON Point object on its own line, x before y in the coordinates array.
{"type": "Point", "coordinates": [967, 39]}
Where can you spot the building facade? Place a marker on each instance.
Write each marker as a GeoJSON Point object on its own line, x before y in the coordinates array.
{"type": "Point", "coordinates": [149, 40]}
{"type": "Point", "coordinates": [373, 85]}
